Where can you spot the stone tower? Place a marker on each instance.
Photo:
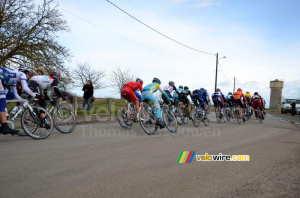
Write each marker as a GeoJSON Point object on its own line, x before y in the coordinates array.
{"type": "Point", "coordinates": [276, 93]}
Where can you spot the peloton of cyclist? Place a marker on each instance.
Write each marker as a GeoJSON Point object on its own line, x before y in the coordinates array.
{"type": "Point", "coordinates": [147, 95]}
{"type": "Point", "coordinates": [239, 99]}
{"type": "Point", "coordinates": [11, 78]}
{"type": "Point", "coordinates": [130, 92]}
{"type": "Point", "coordinates": [218, 99]}
{"type": "Point", "coordinates": [257, 101]}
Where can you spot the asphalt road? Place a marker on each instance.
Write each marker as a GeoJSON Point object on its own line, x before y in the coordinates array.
{"type": "Point", "coordinates": [102, 160]}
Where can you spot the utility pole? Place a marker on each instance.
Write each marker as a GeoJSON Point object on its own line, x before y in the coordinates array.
{"type": "Point", "coordinates": [216, 81]}
{"type": "Point", "coordinates": [233, 85]}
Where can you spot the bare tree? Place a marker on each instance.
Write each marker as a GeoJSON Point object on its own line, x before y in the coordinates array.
{"type": "Point", "coordinates": [28, 35]}
{"type": "Point", "coordinates": [121, 76]}
{"type": "Point", "coordinates": [84, 72]}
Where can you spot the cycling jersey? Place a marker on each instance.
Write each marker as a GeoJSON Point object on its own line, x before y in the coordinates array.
{"type": "Point", "coordinates": [11, 78]}
{"type": "Point", "coordinates": [218, 98]}
{"type": "Point", "coordinates": [134, 86]}
{"type": "Point", "coordinates": [43, 81]}
{"type": "Point", "coordinates": [238, 98]}
{"type": "Point", "coordinates": [147, 94]}
{"type": "Point", "coordinates": [239, 95]}
{"type": "Point", "coordinates": [175, 94]}
{"type": "Point", "coordinates": [229, 99]}
{"type": "Point", "coordinates": [168, 88]}
{"type": "Point", "coordinates": [129, 91]}
{"type": "Point", "coordinates": [199, 97]}
{"type": "Point", "coordinates": [183, 96]}
{"type": "Point", "coordinates": [257, 101]}
{"type": "Point", "coordinates": [248, 97]}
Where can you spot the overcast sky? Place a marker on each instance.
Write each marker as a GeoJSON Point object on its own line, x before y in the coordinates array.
{"type": "Point", "coordinates": [260, 39]}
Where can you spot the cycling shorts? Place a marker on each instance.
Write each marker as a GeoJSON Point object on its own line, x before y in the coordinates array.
{"type": "Point", "coordinates": [128, 94]}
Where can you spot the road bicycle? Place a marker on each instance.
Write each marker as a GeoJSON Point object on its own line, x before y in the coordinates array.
{"type": "Point", "coordinates": [31, 122]}
{"type": "Point", "coordinates": [182, 113]}
{"type": "Point", "coordinates": [258, 115]}
{"type": "Point", "coordinates": [239, 117]}
{"type": "Point", "coordinates": [199, 116]}
{"type": "Point", "coordinates": [228, 111]}
{"type": "Point", "coordinates": [247, 113]}
{"type": "Point", "coordinates": [127, 116]}
{"type": "Point", "coordinates": [64, 119]}
{"type": "Point", "coordinates": [219, 115]}
{"type": "Point", "coordinates": [148, 120]}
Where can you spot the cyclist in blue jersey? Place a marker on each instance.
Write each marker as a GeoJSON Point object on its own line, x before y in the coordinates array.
{"type": "Point", "coordinates": [175, 94]}
{"type": "Point", "coordinates": [229, 99]}
{"type": "Point", "coordinates": [11, 78]}
{"type": "Point", "coordinates": [199, 97]}
{"type": "Point", "coordinates": [148, 96]}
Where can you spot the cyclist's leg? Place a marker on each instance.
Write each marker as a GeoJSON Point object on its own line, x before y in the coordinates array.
{"type": "Point", "coordinates": [3, 120]}
{"type": "Point", "coordinates": [129, 95]}
{"type": "Point", "coordinates": [189, 105]}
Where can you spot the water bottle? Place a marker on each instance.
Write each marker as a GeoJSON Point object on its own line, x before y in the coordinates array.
{"type": "Point", "coordinates": [199, 111]}
{"type": "Point", "coordinates": [14, 110]}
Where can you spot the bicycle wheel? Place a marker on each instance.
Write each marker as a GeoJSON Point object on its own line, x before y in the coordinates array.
{"type": "Point", "coordinates": [64, 119]}
{"type": "Point", "coordinates": [205, 119]}
{"type": "Point", "coordinates": [179, 115]}
{"type": "Point", "coordinates": [185, 119]}
{"type": "Point", "coordinates": [147, 121]}
{"type": "Point", "coordinates": [238, 117]}
{"type": "Point", "coordinates": [259, 116]}
{"type": "Point", "coordinates": [227, 114]}
{"type": "Point", "coordinates": [124, 119]}
{"type": "Point", "coordinates": [218, 114]}
{"type": "Point", "coordinates": [247, 114]}
{"type": "Point", "coordinates": [170, 120]}
{"type": "Point", "coordinates": [31, 123]}
{"type": "Point", "coordinates": [195, 117]}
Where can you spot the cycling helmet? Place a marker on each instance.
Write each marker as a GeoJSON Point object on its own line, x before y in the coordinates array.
{"type": "Point", "coordinates": [229, 93]}
{"type": "Point", "coordinates": [247, 92]}
{"type": "Point", "coordinates": [218, 90]}
{"type": "Point", "coordinates": [171, 83]}
{"type": "Point", "coordinates": [255, 93]}
{"type": "Point", "coordinates": [180, 87]}
{"type": "Point", "coordinates": [202, 90]}
{"type": "Point", "coordinates": [186, 88]}
{"type": "Point", "coordinates": [55, 74]}
{"type": "Point", "coordinates": [139, 80]}
{"type": "Point", "coordinates": [24, 68]}
{"type": "Point", "coordinates": [239, 89]}
{"type": "Point", "coordinates": [41, 69]}
{"type": "Point", "coordinates": [156, 80]}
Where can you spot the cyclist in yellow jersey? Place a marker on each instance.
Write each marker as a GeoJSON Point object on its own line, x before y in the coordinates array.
{"type": "Point", "coordinates": [249, 98]}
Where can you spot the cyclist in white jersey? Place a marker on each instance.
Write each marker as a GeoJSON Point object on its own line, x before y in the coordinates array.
{"type": "Point", "coordinates": [41, 83]}
{"type": "Point", "coordinates": [11, 78]}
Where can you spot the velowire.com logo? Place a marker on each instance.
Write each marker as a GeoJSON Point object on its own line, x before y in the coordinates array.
{"type": "Point", "coordinates": [187, 157]}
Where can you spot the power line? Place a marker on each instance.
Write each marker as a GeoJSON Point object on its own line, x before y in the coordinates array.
{"type": "Point", "coordinates": [223, 73]}
{"type": "Point", "coordinates": [160, 32]}
{"type": "Point", "coordinates": [87, 21]}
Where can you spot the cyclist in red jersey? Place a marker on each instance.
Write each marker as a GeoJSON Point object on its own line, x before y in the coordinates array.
{"type": "Point", "coordinates": [257, 101]}
{"type": "Point", "coordinates": [128, 92]}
